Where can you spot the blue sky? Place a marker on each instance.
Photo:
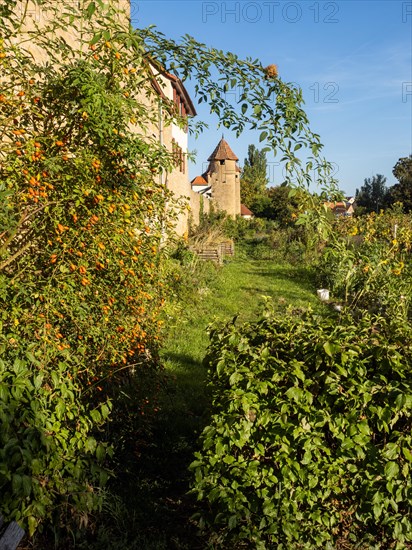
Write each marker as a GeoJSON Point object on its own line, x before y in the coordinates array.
{"type": "Point", "coordinates": [352, 59]}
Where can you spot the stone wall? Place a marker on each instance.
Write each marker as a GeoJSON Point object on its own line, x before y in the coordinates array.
{"type": "Point", "coordinates": [34, 16]}
{"type": "Point", "coordinates": [225, 186]}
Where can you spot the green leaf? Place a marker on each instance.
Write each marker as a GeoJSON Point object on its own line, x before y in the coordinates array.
{"type": "Point", "coordinates": [407, 454]}
{"type": "Point", "coordinates": [400, 400]}
{"type": "Point", "coordinates": [91, 8]}
{"type": "Point", "coordinates": [96, 416]}
{"type": "Point", "coordinates": [38, 380]}
{"type": "Point", "coordinates": [391, 451]}
{"type": "Point", "coordinates": [27, 486]}
{"type": "Point", "coordinates": [391, 470]}
{"type": "Point", "coordinates": [90, 445]}
{"type": "Point", "coordinates": [16, 483]}
{"type": "Point", "coordinates": [294, 393]}
{"type": "Point", "coordinates": [232, 522]}
{"type": "Point", "coordinates": [330, 348]}
{"type": "Point", "coordinates": [100, 452]}
{"type": "Point", "coordinates": [55, 379]}
{"type": "Point", "coordinates": [105, 411]}
{"type": "Point", "coordinates": [220, 367]}
{"type": "Point", "coordinates": [377, 510]}
{"type": "Point", "coordinates": [307, 458]}
{"type": "Point", "coordinates": [4, 393]}
{"type": "Point", "coordinates": [32, 523]}
{"type": "Point", "coordinates": [32, 358]}
{"type": "Point", "coordinates": [60, 409]}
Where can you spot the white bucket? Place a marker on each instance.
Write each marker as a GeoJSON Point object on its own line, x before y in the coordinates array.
{"type": "Point", "coordinates": [323, 294]}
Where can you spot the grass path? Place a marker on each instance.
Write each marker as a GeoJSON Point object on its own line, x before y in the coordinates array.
{"type": "Point", "coordinates": [239, 291]}
{"type": "Point", "coordinates": [156, 509]}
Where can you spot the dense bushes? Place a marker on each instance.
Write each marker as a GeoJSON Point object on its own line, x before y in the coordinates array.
{"type": "Point", "coordinates": [277, 244]}
{"type": "Point", "coordinates": [310, 441]}
{"type": "Point", "coordinates": [257, 238]}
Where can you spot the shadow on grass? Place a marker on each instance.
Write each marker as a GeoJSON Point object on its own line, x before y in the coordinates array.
{"type": "Point", "coordinates": [181, 359]}
{"type": "Point", "coordinates": [151, 489]}
{"type": "Point", "coordinates": [158, 484]}
{"type": "Point", "coordinates": [305, 276]}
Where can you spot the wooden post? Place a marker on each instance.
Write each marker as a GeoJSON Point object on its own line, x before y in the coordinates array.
{"type": "Point", "coordinates": [11, 537]}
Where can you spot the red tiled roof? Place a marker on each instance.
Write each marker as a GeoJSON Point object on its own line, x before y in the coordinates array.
{"type": "Point", "coordinates": [244, 211]}
{"type": "Point", "coordinates": [223, 152]}
{"type": "Point", "coordinates": [340, 207]}
{"type": "Point", "coordinates": [199, 180]}
{"type": "Point", "coordinates": [334, 205]}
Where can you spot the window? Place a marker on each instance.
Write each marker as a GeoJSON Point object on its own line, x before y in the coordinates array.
{"type": "Point", "coordinates": [178, 157]}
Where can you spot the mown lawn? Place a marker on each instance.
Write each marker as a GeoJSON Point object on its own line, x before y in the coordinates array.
{"type": "Point", "coordinates": [150, 505]}
{"type": "Point", "coordinates": [240, 289]}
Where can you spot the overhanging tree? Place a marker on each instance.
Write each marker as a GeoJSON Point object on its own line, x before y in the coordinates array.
{"type": "Point", "coordinates": [83, 212]}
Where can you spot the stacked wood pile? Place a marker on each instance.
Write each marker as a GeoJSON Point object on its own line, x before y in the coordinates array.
{"type": "Point", "coordinates": [228, 248]}
{"type": "Point", "coordinates": [215, 252]}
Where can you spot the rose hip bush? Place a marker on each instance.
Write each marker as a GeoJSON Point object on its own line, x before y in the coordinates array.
{"type": "Point", "coordinates": [82, 214]}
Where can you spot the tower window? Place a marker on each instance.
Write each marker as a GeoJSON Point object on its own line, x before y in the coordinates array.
{"type": "Point", "coordinates": [222, 162]}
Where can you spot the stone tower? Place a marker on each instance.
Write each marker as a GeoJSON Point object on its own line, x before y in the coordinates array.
{"type": "Point", "coordinates": [223, 176]}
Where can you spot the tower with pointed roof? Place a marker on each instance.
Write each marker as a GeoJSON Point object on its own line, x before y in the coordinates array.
{"type": "Point", "coordinates": [221, 181]}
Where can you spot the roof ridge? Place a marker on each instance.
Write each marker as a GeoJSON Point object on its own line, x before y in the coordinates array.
{"type": "Point", "coordinates": [223, 152]}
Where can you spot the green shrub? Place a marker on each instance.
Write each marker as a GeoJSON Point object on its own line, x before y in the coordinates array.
{"type": "Point", "coordinates": [50, 460]}
{"type": "Point", "coordinates": [273, 243]}
{"type": "Point", "coordinates": [310, 441]}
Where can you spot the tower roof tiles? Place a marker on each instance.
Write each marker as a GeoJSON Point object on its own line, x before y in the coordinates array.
{"type": "Point", "coordinates": [223, 152]}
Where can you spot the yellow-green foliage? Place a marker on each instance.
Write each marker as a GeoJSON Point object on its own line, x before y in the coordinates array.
{"type": "Point", "coordinates": [366, 262]}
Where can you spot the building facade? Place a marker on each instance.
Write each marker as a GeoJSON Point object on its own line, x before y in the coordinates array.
{"type": "Point", "coordinates": [220, 184]}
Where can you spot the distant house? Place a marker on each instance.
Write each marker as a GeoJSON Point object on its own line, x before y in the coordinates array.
{"type": "Point", "coordinates": [245, 212]}
{"type": "Point", "coordinates": [342, 208]}
{"type": "Point", "coordinates": [200, 185]}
